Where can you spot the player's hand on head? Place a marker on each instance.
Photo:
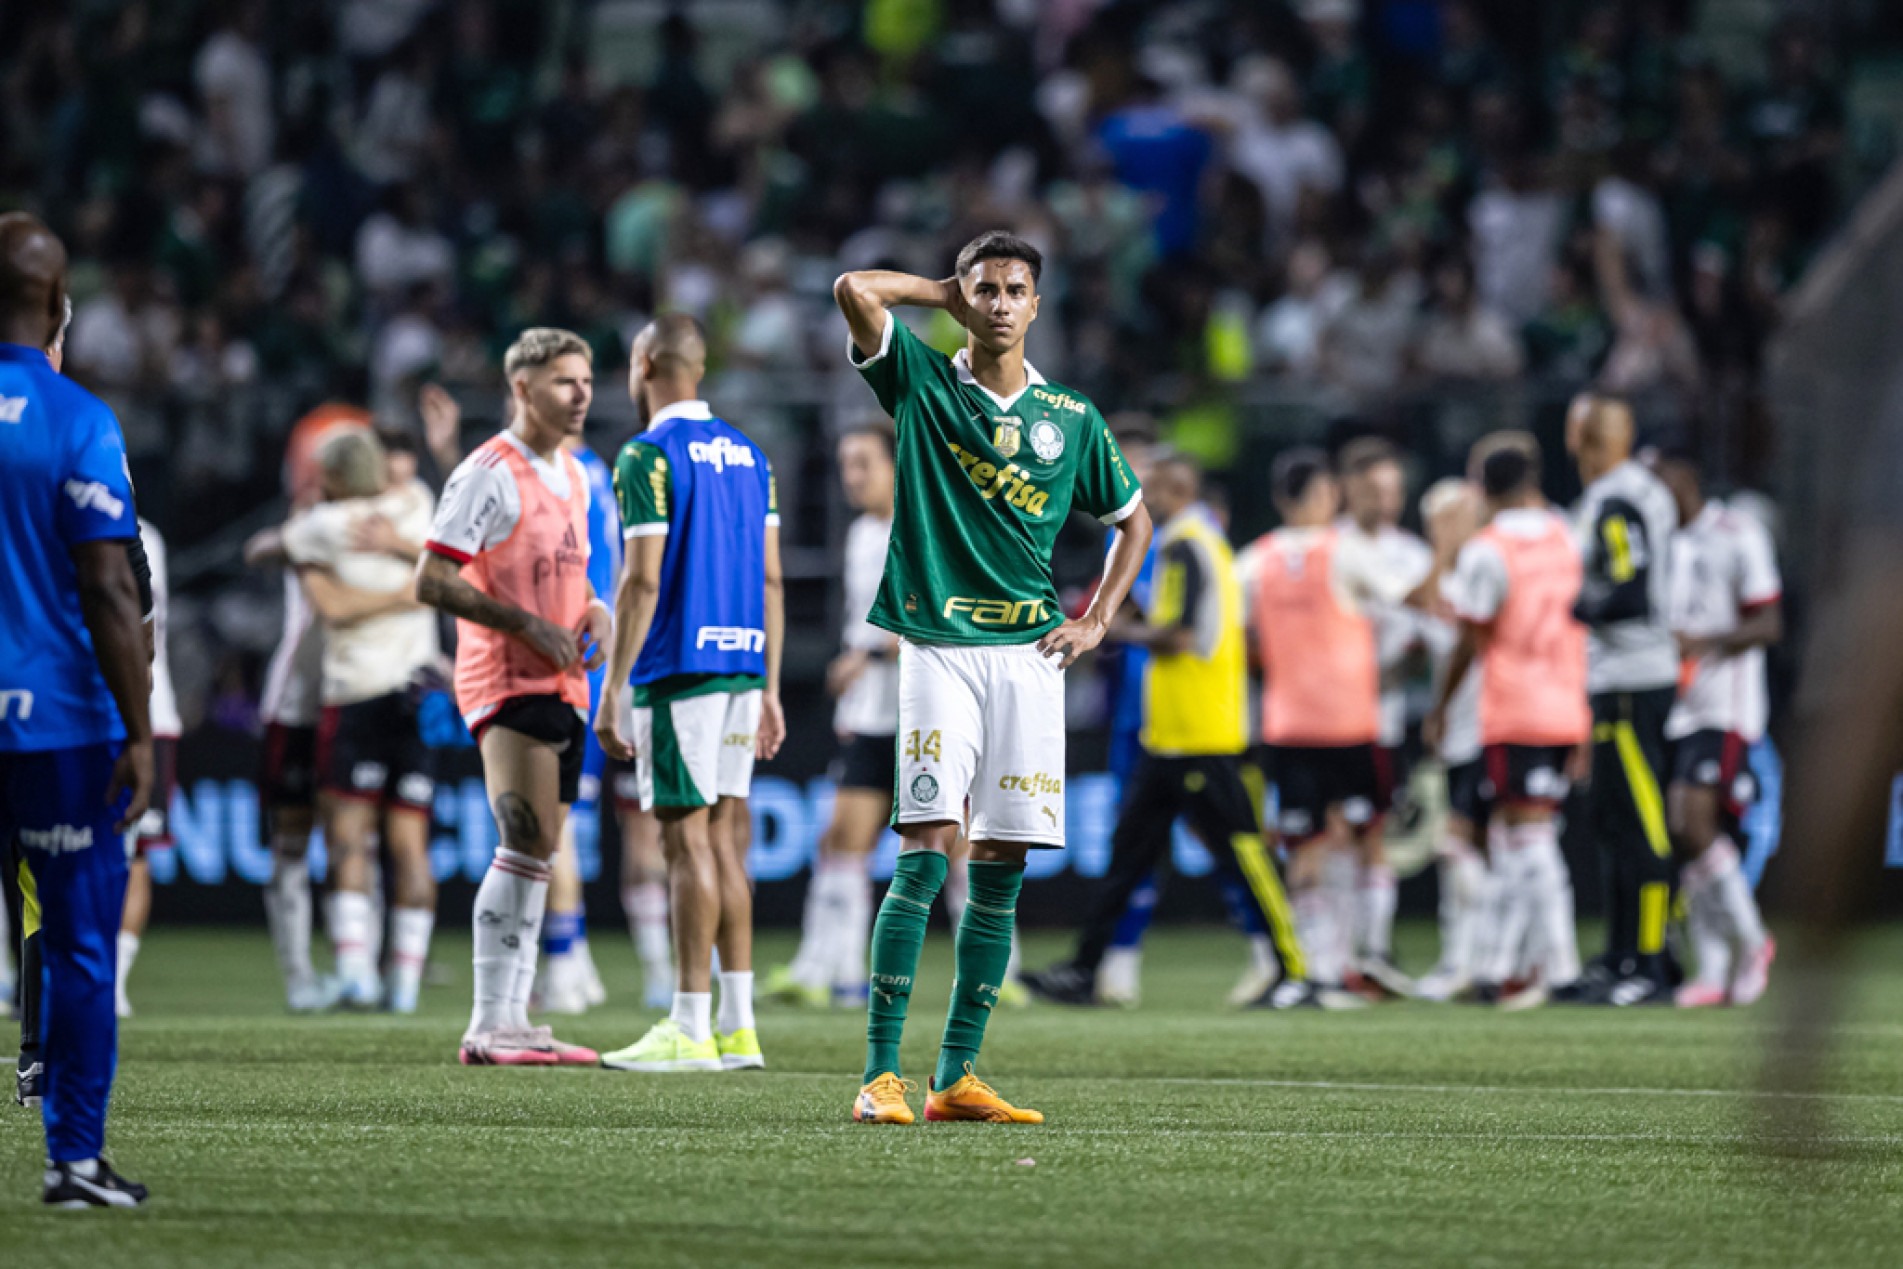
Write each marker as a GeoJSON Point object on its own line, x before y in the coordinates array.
{"type": "Point", "coordinates": [955, 301]}
{"type": "Point", "coordinates": [1071, 640]}
{"type": "Point", "coordinates": [555, 645]}
{"type": "Point", "coordinates": [772, 733]}
{"type": "Point", "coordinates": [132, 774]}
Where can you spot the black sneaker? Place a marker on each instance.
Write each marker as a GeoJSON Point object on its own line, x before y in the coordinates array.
{"type": "Point", "coordinates": [29, 1082]}
{"type": "Point", "coordinates": [1063, 984]}
{"type": "Point", "coordinates": [1592, 987]}
{"type": "Point", "coordinates": [1290, 993]}
{"type": "Point", "coordinates": [104, 1188]}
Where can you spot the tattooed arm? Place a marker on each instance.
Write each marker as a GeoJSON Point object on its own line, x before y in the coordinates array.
{"type": "Point", "coordinates": [439, 584]}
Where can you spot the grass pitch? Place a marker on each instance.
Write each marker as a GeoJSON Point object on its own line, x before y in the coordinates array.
{"type": "Point", "coordinates": [1179, 1134]}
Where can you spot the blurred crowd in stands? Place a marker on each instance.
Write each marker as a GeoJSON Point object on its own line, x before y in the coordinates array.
{"type": "Point", "coordinates": [277, 202]}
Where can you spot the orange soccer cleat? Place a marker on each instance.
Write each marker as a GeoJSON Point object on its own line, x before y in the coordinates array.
{"type": "Point", "coordinates": [972, 1098]}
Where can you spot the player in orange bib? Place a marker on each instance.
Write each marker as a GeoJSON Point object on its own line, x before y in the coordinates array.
{"type": "Point", "coordinates": [1513, 589]}
{"type": "Point", "coordinates": [508, 556]}
{"type": "Point", "coordinates": [1310, 586]}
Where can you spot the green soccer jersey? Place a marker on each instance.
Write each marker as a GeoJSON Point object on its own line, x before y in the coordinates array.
{"type": "Point", "coordinates": [984, 484]}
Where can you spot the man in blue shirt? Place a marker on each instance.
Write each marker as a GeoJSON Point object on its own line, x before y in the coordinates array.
{"type": "Point", "coordinates": [75, 731]}
{"type": "Point", "coordinates": [699, 624]}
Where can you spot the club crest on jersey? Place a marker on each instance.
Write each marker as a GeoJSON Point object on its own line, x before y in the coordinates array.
{"type": "Point", "coordinates": [1047, 440]}
{"type": "Point", "coordinates": [924, 788]}
{"type": "Point", "coordinates": [1005, 437]}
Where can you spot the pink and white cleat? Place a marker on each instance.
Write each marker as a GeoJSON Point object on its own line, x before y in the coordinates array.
{"type": "Point", "coordinates": [1698, 995]}
{"type": "Point", "coordinates": [1754, 973]}
{"type": "Point", "coordinates": [565, 1054]}
{"type": "Point", "coordinates": [507, 1046]}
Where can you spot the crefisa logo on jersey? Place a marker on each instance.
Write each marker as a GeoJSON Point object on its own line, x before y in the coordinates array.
{"type": "Point", "coordinates": [720, 453]}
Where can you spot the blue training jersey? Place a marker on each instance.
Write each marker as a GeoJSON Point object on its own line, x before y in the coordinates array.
{"type": "Point", "coordinates": [1127, 670]}
{"type": "Point", "coordinates": [712, 489]}
{"type": "Point", "coordinates": [604, 543]}
{"type": "Point", "coordinates": [63, 481]}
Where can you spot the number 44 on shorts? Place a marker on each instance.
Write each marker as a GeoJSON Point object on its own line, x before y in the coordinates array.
{"type": "Point", "coordinates": [917, 748]}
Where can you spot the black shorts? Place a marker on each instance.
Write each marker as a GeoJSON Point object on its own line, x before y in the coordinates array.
{"type": "Point", "coordinates": [287, 778]}
{"type": "Point", "coordinates": [155, 826]}
{"type": "Point", "coordinates": [866, 762]}
{"type": "Point", "coordinates": [1466, 791]}
{"type": "Point", "coordinates": [1311, 781]}
{"type": "Point", "coordinates": [373, 751]}
{"type": "Point", "coordinates": [554, 722]}
{"type": "Point", "coordinates": [1525, 775]}
{"type": "Point", "coordinates": [1717, 760]}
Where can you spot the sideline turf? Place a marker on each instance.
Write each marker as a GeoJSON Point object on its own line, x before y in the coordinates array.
{"type": "Point", "coordinates": [1180, 1134]}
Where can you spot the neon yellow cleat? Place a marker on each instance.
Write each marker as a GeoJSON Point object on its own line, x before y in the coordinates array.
{"type": "Point", "coordinates": [740, 1050]}
{"type": "Point", "coordinates": [666, 1049]}
{"type": "Point", "coordinates": [1013, 994]}
{"type": "Point", "coordinates": [883, 1101]}
{"type": "Point", "coordinates": [971, 1098]}
{"type": "Point", "coordinates": [782, 987]}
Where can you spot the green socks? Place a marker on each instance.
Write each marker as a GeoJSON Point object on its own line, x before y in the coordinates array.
{"type": "Point", "coordinates": [983, 953]}
{"type": "Point", "coordinates": [898, 936]}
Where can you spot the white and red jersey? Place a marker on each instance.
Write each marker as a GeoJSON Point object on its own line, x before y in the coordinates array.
{"type": "Point", "coordinates": [293, 682]}
{"type": "Point", "coordinates": [1722, 567]}
{"type": "Point", "coordinates": [870, 706]}
{"type": "Point", "coordinates": [378, 655]}
{"type": "Point", "coordinates": [518, 524]}
{"type": "Point", "coordinates": [1461, 743]}
{"type": "Point", "coordinates": [1520, 577]}
{"type": "Point", "coordinates": [1407, 559]}
{"type": "Point", "coordinates": [164, 704]}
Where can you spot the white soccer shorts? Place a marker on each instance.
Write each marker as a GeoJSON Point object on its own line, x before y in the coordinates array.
{"type": "Point", "coordinates": [696, 749]}
{"type": "Point", "coordinates": [985, 723]}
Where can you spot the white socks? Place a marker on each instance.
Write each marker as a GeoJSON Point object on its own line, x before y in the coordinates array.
{"type": "Point", "coordinates": [509, 907]}
{"type": "Point", "coordinates": [1725, 923]}
{"type": "Point", "coordinates": [128, 953]}
{"type": "Point", "coordinates": [1341, 874]}
{"type": "Point", "coordinates": [1556, 944]}
{"type": "Point", "coordinates": [646, 908]}
{"type": "Point", "coordinates": [1315, 922]}
{"type": "Point", "coordinates": [287, 908]}
{"type": "Point", "coordinates": [1463, 891]}
{"type": "Point", "coordinates": [351, 925]}
{"type": "Point", "coordinates": [693, 1011]}
{"type": "Point", "coordinates": [736, 1002]}
{"type": "Point", "coordinates": [836, 925]}
{"type": "Point", "coordinates": [410, 930]}
{"type": "Point", "coordinates": [854, 929]}
{"type": "Point", "coordinates": [1374, 927]}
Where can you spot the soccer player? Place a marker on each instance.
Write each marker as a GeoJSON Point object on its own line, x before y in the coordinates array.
{"type": "Point", "coordinates": [1196, 725]}
{"type": "Point", "coordinates": [1374, 493]}
{"type": "Point", "coordinates": [1452, 511]}
{"type": "Point", "coordinates": [1514, 589]}
{"type": "Point", "coordinates": [1624, 524]}
{"type": "Point", "coordinates": [76, 767]}
{"type": "Point", "coordinates": [700, 624]}
{"type": "Point", "coordinates": [1312, 584]}
{"type": "Point", "coordinates": [991, 461]}
{"type": "Point", "coordinates": [375, 774]}
{"type": "Point", "coordinates": [507, 556]}
{"type": "Point", "coordinates": [1726, 610]}
{"type": "Point", "coordinates": [570, 982]}
{"type": "Point", "coordinates": [291, 704]}
{"type": "Point", "coordinates": [155, 829]}
{"type": "Point", "coordinates": [831, 962]}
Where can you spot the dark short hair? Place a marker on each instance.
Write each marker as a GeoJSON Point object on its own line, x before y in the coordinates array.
{"type": "Point", "coordinates": [1509, 470]}
{"type": "Point", "coordinates": [398, 439]}
{"type": "Point", "coordinates": [999, 244]}
{"type": "Point", "coordinates": [1365, 452]}
{"type": "Point", "coordinates": [1295, 471]}
{"type": "Point", "coordinates": [878, 426]}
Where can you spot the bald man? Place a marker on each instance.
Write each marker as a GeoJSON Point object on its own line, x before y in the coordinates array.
{"type": "Point", "coordinates": [76, 765]}
{"type": "Point", "coordinates": [698, 630]}
{"type": "Point", "coordinates": [1624, 524]}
